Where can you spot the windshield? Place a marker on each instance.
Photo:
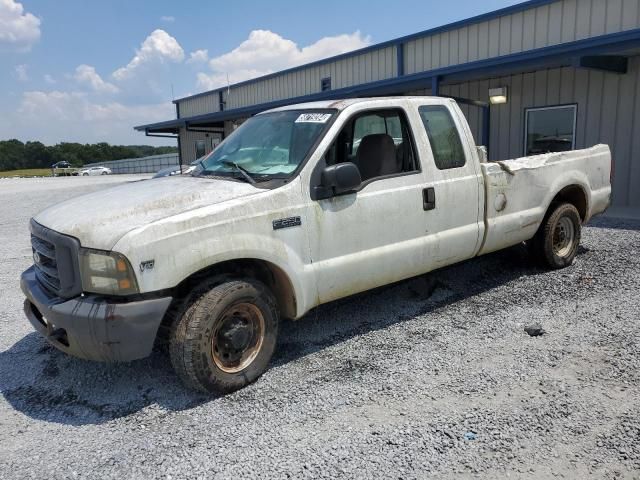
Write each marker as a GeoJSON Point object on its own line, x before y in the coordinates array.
{"type": "Point", "coordinates": [271, 145]}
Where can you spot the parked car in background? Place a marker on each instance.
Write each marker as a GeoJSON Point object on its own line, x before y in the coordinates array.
{"type": "Point", "coordinates": [178, 170]}
{"type": "Point", "coordinates": [62, 169]}
{"type": "Point", "coordinates": [94, 171]}
{"type": "Point", "coordinates": [62, 164]}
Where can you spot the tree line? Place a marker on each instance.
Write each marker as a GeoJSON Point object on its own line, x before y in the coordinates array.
{"type": "Point", "coordinates": [15, 154]}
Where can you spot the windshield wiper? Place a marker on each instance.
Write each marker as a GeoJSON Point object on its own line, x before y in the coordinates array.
{"type": "Point", "coordinates": [245, 173]}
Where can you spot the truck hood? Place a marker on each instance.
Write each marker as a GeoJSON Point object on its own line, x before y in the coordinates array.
{"type": "Point", "coordinates": [98, 220]}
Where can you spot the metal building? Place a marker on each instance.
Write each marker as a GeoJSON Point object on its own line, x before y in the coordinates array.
{"type": "Point", "coordinates": [561, 74]}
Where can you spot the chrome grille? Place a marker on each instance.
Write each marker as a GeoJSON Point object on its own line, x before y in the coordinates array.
{"type": "Point", "coordinates": [44, 259]}
{"type": "Point", "coordinates": [55, 258]}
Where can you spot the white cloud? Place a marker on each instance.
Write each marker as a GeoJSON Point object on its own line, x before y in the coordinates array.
{"type": "Point", "coordinates": [87, 75]}
{"type": "Point", "coordinates": [168, 18]}
{"type": "Point", "coordinates": [56, 116]}
{"type": "Point", "coordinates": [157, 48]}
{"type": "Point", "coordinates": [21, 74]}
{"type": "Point", "coordinates": [100, 109]}
{"type": "Point", "coordinates": [199, 56]}
{"type": "Point", "coordinates": [265, 52]}
{"type": "Point", "coordinates": [18, 30]}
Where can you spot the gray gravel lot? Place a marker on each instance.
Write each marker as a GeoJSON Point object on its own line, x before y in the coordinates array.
{"type": "Point", "coordinates": [433, 376]}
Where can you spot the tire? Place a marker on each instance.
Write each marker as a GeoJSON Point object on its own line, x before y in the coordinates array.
{"type": "Point", "coordinates": [104, 173]}
{"type": "Point", "coordinates": [557, 240]}
{"type": "Point", "coordinates": [85, 174]}
{"type": "Point", "coordinates": [219, 322]}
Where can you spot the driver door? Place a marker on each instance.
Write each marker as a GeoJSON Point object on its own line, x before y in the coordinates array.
{"type": "Point", "coordinates": [374, 236]}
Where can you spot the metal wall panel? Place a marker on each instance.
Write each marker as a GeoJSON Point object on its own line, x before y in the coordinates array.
{"type": "Point", "coordinates": [608, 112]}
{"type": "Point", "coordinates": [370, 66]}
{"type": "Point", "coordinates": [200, 105]}
{"type": "Point", "coordinates": [552, 24]}
{"type": "Point", "coordinates": [188, 144]}
{"type": "Point", "coordinates": [630, 14]}
{"type": "Point", "coordinates": [188, 139]}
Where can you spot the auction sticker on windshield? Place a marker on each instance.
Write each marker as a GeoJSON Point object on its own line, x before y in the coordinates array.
{"type": "Point", "coordinates": [313, 118]}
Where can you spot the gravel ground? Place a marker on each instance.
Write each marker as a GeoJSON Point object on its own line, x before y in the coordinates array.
{"type": "Point", "coordinates": [431, 377]}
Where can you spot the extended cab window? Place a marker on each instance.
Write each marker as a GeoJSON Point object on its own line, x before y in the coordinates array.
{"type": "Point", "coordinates": [377, 142]}
{"type": "Point", "coordinates": [443, 137]}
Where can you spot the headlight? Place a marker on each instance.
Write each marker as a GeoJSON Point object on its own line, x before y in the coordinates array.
{"type": "Point", "coordinates": [106, 273]}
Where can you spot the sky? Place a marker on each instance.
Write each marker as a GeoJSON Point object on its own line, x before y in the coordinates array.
{"type": "Point", "coordinates": [89, 71]}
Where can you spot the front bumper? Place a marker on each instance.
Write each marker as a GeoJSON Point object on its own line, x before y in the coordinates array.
{"type": "Point", "coordinates": [92, 328]}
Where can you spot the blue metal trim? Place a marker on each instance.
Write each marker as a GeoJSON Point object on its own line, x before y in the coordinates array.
{"type": "Point", "coordinates": [592, 45]}
{"type": "Point", "coordinates": [400, 55]}
{"type": "Point", "coordinates": [450, 26]}
{"type": "Point", "coordinates": [486, 127]}
{"type": "Point", "coordinates": [562, 54]}
{"type": "Point", "coordinates": [435, 85]}
{"type": "Point", "coordinates": [175, 123]}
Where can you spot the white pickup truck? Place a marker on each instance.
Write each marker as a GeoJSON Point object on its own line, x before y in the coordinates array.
{"type": "Point", "coordinates": [300, 206]}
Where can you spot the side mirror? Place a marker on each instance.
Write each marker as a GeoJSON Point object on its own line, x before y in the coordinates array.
{"type": "Point", "coordinates": [337, 179]}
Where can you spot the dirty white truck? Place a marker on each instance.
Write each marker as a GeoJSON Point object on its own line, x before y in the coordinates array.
{"type": "Point", "coordinates": [300, 206]}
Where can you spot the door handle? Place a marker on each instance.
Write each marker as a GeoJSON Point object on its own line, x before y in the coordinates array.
{"type": "Point", "coordinates": [429, 199]}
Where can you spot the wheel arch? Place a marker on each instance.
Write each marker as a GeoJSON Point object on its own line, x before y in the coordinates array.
{"type": "Point", "coordinates": [265, 271]}
{"type": "Point", "coordinates": [574, 194]}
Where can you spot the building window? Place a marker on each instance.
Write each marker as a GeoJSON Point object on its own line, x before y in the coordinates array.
{"type": "Point", "coordinates": [200, 148]}
{"type": "Point", "coordinates": [325, 84]}
{"type": "Point", "coordinates": [443, 137]}
{"type": "Point", "coordinates": [550, 129]}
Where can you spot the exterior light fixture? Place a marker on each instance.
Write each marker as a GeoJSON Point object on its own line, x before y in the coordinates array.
{"type": "Point", "coordinates": [498, 96]}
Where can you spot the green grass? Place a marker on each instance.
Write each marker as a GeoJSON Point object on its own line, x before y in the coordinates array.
{"type": "Point", "coordinates": [31, 172]}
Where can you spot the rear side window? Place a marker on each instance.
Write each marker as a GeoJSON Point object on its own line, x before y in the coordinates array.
{"type": "Point", "coordinates": [443, 136]}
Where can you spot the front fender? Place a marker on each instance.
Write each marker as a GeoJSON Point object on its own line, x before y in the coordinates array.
{"type": "Point", "coordinates": [177, 258]}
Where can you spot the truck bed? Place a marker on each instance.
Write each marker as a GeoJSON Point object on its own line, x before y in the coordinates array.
{"type": "Point", "coordinates": [519, 191]}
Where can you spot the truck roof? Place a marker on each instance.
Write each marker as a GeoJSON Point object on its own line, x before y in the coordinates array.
{"type": "Point", "coordinates": [341, 104]}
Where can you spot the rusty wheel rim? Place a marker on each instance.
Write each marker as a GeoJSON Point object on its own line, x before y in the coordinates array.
{"type": "Point", "coordinates": [563, 237]}
{"type": "Point", "coordinates": [237, 337]}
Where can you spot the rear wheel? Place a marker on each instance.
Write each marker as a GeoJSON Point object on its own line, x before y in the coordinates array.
{"type": "Point", "coordinates": [556, 242]}
{"type": "Point", "coordinates": [226, 337]}
{"type": "Point", "coordinates": [103, 173]}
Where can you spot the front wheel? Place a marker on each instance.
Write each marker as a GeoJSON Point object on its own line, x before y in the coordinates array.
{"type": "Point", "coordinates": [226, 337]}
{"type": "Point", "coordinates": [556, 242]}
